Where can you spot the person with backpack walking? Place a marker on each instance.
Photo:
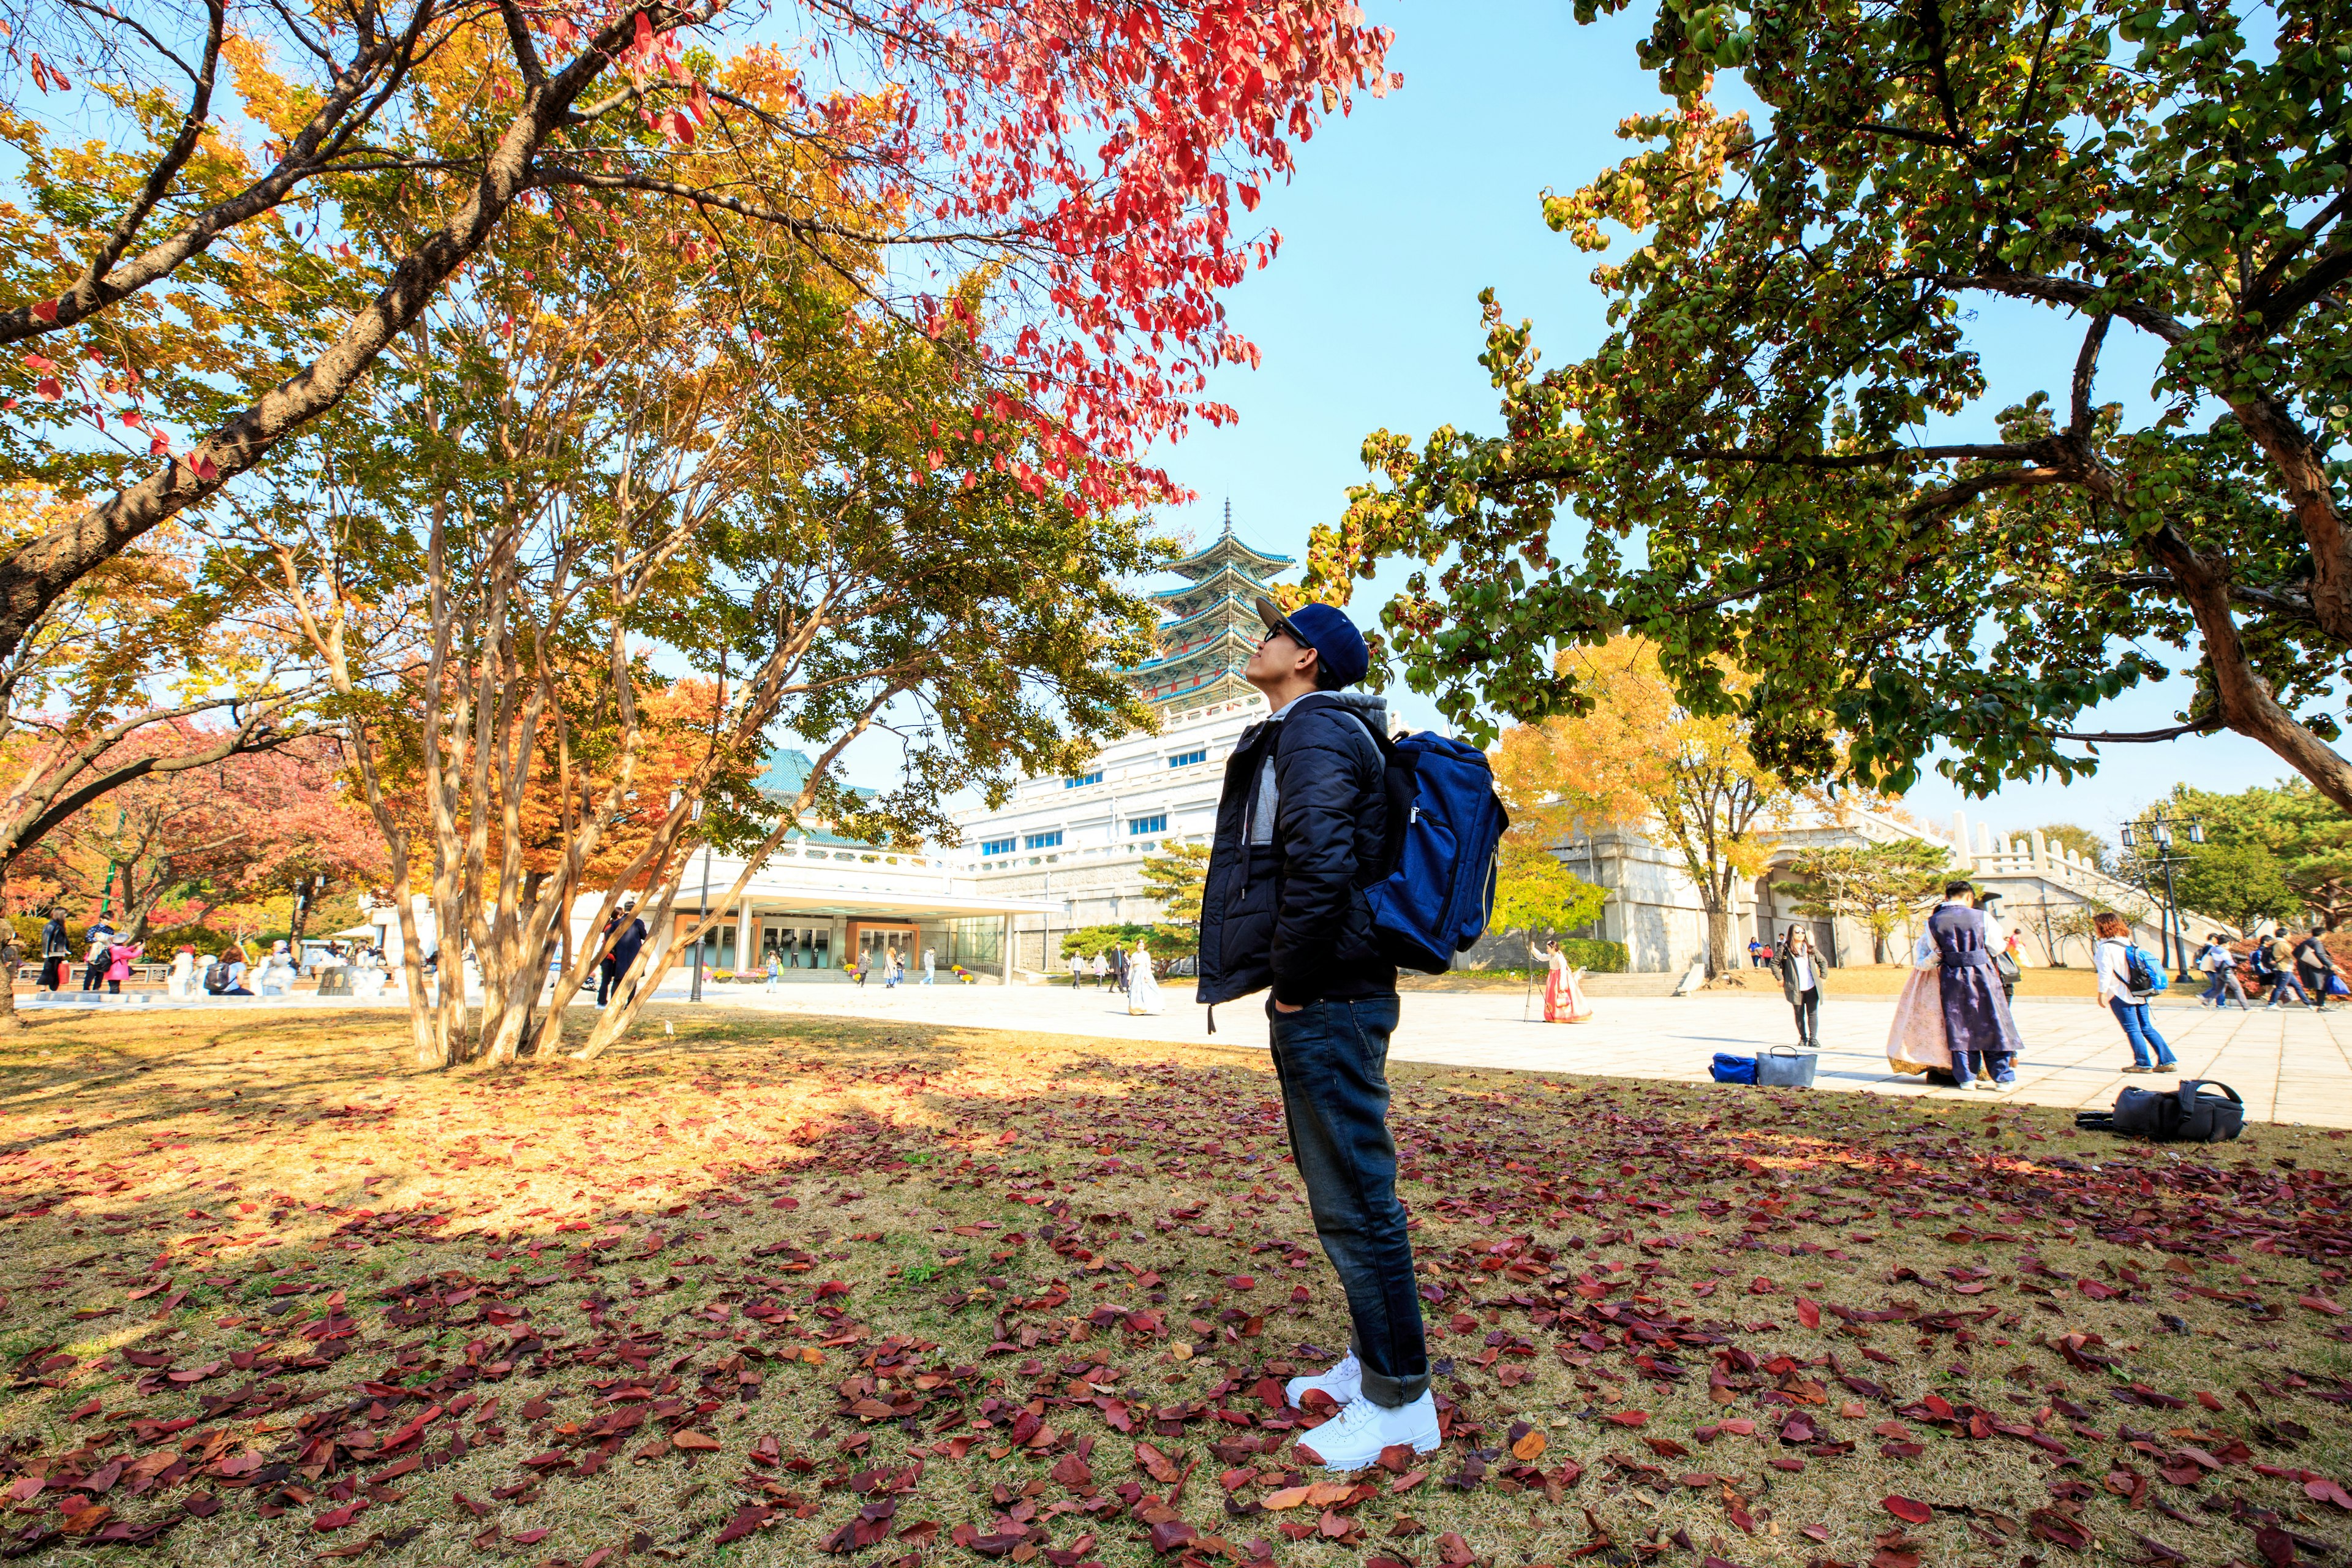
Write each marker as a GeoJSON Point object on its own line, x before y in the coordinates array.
{"type": "Point", "coordinates": [1977, 1028]}
{"type": "Point", "coordinates": [2314, 967]}
{"type": "Point", "coordinates": [2259, 965]}
{"type": "Point", "coordinates": [1302, 822]}
{"type": "Point", "coordinates": [2279, 954]}
{"type": "Point", "coordinates": [2221, 963]}
{"type": "Point", "coordinates": [2126, 980]}
{"type": "Point", "coordinates": [1800, 982]}
{"type": "Point", "coordinates": [100, 938]}
{"type": "Point", "coordinates": [57, 951]}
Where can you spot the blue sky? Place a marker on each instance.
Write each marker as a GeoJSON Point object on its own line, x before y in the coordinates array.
{"type": "Point", "coordinates": [1368, 318]}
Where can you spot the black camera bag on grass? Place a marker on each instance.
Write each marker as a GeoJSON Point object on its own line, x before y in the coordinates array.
{"type": "Point", "coordinates": [2188, 1115]}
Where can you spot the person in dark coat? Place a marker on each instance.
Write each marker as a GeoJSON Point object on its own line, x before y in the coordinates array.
{"type": "Point", "coordinates": [1801, 982]}
{"type": "Point", "coordinates": [604, 972]}
{"type": "Point", "coordinates": [1977, 1022]}
{"type": "Point", "coordinates": [1301, 821]}
{"type": "Point", "coordinates": [2315, 967]}
{"type": "Point", "coordinates": [57, 951]}
{"type": "Point", "coordinates": [625, 950]}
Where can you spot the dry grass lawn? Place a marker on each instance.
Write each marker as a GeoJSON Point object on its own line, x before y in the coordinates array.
{"type": "Point", "coordinates": [765, 1290]}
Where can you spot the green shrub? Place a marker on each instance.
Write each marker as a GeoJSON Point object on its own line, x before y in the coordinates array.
{"type": "Point", "coordinates": [1165, 941]}
{"type": "Point", "coordinates": [1598, 957]}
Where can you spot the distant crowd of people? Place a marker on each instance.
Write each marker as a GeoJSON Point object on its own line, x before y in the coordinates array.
{"type": "Point", "coordinates": [890, 963]}
{"type": "Point", "coordinates": [2278, 967]}
{"type": "Point", "coordinates": [109, 958]}
{"type": "Point", "coordinates": [1130, 971]}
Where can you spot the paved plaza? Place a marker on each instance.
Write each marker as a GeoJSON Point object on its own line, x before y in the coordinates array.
{"type": "Point", "coordinates": [2288, 1066]}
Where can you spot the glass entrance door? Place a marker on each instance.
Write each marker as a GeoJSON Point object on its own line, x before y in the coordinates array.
{"type": "Point", "coordinates": [876, 943]}
{"type": "Point", "coordinates": [796, 946]}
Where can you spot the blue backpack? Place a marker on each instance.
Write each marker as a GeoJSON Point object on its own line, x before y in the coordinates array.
{"type": "Point", "coordinates": [2143, 972]}
{"type": "Point", "coordinates": [1443, 826]}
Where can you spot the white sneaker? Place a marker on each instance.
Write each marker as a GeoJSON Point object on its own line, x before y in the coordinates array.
{"type": "Point", "coordinates": [1344, 1383]}
{"type": "Point", "coordinates": [1354, 1437]}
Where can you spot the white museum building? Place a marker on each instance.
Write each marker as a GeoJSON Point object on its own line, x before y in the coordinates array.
{"type": "Point", "coordinates": [1072, 848]}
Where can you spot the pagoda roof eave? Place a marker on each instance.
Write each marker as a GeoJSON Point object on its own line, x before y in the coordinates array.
{"type": "Point", "coordinates": [1228, 550]}
{"type": "Point", "coordinates": [1231, 576]}
{"type": "Point", "coordinates": [1222, 649]}
{"type": "Point", "coordinates": [1246, 614]}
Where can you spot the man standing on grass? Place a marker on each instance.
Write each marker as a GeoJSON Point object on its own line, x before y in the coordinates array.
{"type": "Point", "coordinates": [1299, 833]}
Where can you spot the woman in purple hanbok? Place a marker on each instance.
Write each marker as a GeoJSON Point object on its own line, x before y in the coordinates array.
{"type": "Point", "coordinates": [1979, 1030]}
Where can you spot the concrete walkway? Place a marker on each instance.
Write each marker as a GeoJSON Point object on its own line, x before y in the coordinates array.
{"type": "Point", "coordinates": [2288, 1066]}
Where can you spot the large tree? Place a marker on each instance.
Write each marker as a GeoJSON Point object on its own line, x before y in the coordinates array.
{"type": "Point", "coordinates": [1788, 449]}
{"type": "Point", "coordinates": [234, 256]}
{"type": "Point", "coordinates": [2271, 852]}
{"type": "Point", "coordinates": [1636, 757]}
{"type": "Point", "coordinates": [1536, 892]}
{"type": "Point", "coordinates": [235, 828]}
{"type": "Point", "coordinates": [598, 536]}
{"type": "Point", "coordinates": [1881, 885]}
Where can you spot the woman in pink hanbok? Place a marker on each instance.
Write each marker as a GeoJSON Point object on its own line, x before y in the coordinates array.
{"type": "Point", "coordinates": [1563, 998]}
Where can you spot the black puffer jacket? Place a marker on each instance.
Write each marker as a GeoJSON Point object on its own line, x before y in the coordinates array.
{"type": "Point", "coordinates": [1290, 913]}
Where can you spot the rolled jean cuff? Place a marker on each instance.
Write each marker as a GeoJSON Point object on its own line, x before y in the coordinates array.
{"type": "Point", "coordinates": [1389, 1393]}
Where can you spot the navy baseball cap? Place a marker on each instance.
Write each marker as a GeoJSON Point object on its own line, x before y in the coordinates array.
{"type": "Point", "coordinates": [1338, 645]}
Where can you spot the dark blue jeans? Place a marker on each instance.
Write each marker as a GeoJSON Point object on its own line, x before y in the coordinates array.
{"type": "Point", "coordinates": [2141, 1033]}
{"type": "Point", "coordinates": [1331, 1057]}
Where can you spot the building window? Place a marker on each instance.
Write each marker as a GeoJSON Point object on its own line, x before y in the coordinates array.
{"type": "Point", "coordinates": [996, 847]}
{"type": "Point", "coordinates": [1078, 779]}
{"type": "Point", "coordinates": [1186, 759]}
{"type": "Point", "coordinates": [1154, 824]}
{"type": "Point", "coordinates": [1042, 840]}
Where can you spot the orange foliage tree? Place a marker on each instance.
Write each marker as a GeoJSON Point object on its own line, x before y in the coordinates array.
{"type": "Point", "coordinates": [1635, 757]}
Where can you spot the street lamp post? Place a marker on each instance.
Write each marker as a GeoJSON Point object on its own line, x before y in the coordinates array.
{"type": "Point", "coordinates": [2159, 831]}
{"type": "Point", "coordinates": [702, 917]}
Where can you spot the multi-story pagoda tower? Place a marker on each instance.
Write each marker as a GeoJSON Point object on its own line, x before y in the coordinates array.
{"type": "Point", "coordinates": [1212, 625]}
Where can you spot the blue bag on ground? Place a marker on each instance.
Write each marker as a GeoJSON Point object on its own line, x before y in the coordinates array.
{"type": "Point", "coordinates": [1728, 1068]}
{"type": "Point", "coordinates": [1444, 823]}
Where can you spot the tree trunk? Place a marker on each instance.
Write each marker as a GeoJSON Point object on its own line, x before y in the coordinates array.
{"type": "Point", "coordinates": [2243, 699]}
{"type": "Point", "coordinates": [1718, 935]}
